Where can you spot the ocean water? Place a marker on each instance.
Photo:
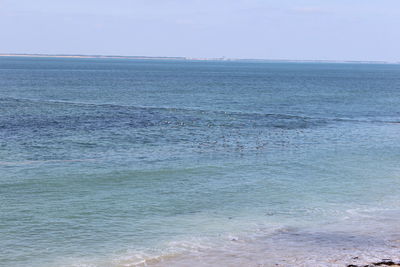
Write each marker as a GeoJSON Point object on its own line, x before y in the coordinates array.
{"type": "Point", "coordinates": [115, 162]}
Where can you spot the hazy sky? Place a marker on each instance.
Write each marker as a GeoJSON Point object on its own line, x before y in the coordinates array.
{"type": "Point", "coordinates": [271, 29]}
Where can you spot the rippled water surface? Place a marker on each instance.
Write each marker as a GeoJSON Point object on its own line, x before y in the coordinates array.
{"type": "Point", "coordinates": [178, 163]}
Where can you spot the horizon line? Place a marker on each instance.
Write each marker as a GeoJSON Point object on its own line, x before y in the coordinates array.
{"type": "Point", "coordinates": [44, 55]}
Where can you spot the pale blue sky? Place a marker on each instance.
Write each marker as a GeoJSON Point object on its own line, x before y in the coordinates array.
{"type": "Point", "coordinates": [279, 29]}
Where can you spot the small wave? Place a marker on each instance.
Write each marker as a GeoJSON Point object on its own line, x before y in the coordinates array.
{"type": "Point", "coordinates": [254, 115]}
{"type": "Point", "coordinates": [181, 117]}
{"type": "Point", "coordinates": [165, 108]}
{"type": "Point", "coordinates": [27, 162]}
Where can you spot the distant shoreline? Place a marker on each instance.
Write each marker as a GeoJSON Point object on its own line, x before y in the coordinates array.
{"type": "Point", "coordinates": [194, 59]}
{"type": "Point", "coordinates": [89, 56]}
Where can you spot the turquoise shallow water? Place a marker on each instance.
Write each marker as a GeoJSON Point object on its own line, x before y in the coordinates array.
{"type": "Point", "coordinates": [115, 162]}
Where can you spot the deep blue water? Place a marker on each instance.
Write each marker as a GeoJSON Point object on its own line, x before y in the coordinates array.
{"type": "Point", "coordinates": [106, 159]}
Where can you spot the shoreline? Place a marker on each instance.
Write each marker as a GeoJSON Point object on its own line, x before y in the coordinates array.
{"type": "Point", "coordinates": [332, 246]}
{"type": "Point", "coordinates": [89, 56]}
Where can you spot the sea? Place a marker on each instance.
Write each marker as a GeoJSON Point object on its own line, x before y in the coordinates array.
{"type": "Point", "coordinates": [122, 162]}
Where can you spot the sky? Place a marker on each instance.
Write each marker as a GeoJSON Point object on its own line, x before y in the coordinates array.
{"type": "Point", "coordinates": [263, 29]}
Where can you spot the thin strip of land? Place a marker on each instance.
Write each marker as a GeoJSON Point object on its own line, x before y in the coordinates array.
{"type": "Point", "coordinates": [191, 58]}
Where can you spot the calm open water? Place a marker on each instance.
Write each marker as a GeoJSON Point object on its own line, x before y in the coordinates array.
{"type": "Point", "coordinates": [112, 162]}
